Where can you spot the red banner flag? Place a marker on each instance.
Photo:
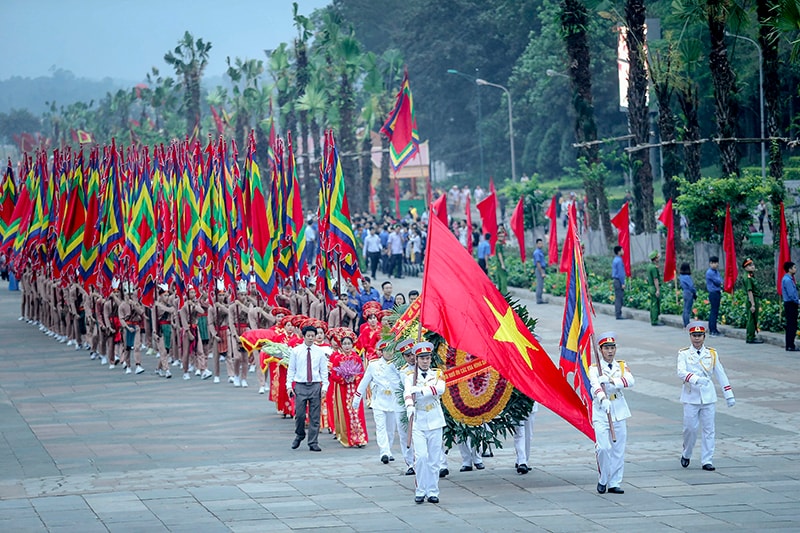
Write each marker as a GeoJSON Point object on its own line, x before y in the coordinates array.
{"type": "Point", "coordinates": [439, 209]}
{"type": "Point", "coordinates": [622, 222]}
{"type": "Point", "coordinates": [460, 303]}
{"type": "Point", "coordinates": [729, 247]}
{"type": "Point", "coordinates": [569, 247]}
{"type": "Point", "coordinates": [784, 253]}
{"type": "Point", "coordinates": [668, 220]}
{"type": "Point", "coordinates": [488, 210]}
{"type": "Point", "coordinates": [469, 226]}
{"type": "Point", "coordinates": [518, 226]}
{"type": "Point", "coordinates": [552, 246]}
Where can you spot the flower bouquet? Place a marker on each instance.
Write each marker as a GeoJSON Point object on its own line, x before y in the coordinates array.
{"type": "Point", "coordinates": [349, 369]}
{"type": "Point", "coordinates": [274, 352]}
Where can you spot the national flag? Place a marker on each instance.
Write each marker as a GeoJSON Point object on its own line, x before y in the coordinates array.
{"type": "Point", "coordinates": [576, 327]}
{"type": "Point", "coordinates": [552, 239]}
{"type": "Point", "coordinates": [518, 226]}
{"type": "Point", "coordinates": [460, 303]}
{"type": "Point", "coordinates": [784, 253]}
{"type": "Point", "coordinates": [401, 127]}
{"type": "Point", "coordinates": [667, 218]}
{"type": "Point", "coordinates": [621, 221]}
{"type": "Point", "coordinates": [439, 209]}
{"type": "Point", "coordinates": [488, 210]}
{"type": "Point", "coordinates": [729, 247]}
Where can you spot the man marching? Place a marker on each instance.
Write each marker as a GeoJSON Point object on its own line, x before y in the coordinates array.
{"type": "Point", "coordinates": [422, 391]}
{"type": "Point", "coordinates": [697, 364]}
{"type": "Point", "coordinates": [607, 383]}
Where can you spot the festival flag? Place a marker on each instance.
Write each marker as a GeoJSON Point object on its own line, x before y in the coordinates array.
{"type": "Point", "coordinates": [8, 198]}
{"type": "Point", "coordinates": [81, 137]}
{"type": "Point", "coordinates": [460, 303]}
{"type": "Point", "coordinates": [569, 242]}
{"type": "Point", "coordinates": [552, 238]}
{"type": "Point", "coordinates": [294, 215]}
{"type": "Point", "coordinates": [784, 253]}
{"type": "Point", "coordinates": [488, 210]}
{"type": "Point", "coordinates": [621, 221]}
{"type": "Point", "coordinates": [729, 247]}
{"type": "Point", "coordinates": [667, 218]}
{"type": "Point", "coordinates": [518, 226]}
{"type": "Point", "coordinates": [69, 243]}
{"type": "Point", "coordinates": [439, 209]}
{"type": "Point", "coordinates": [113, 217]}
{"type": "Point", "coordinates": [142, 234]}
{"type": "Point", "coordinates": [91, 235]}
{"type": "Point", "coordinates": [401, 127]}
{"type": "Point", "coordinates": [217, 121]}
{"type": "Point", "coordinates": [576, 327]}
{"type": "Point", "coordinates": [263, 263]}
{"type": "Point", "coordinates": [469, 224]}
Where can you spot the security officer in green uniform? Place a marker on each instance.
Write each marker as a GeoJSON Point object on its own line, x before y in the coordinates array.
{"type": "Point", "coordinates": [500, 257]}
{"type": "Point", "coordinates": [654, 288]}
{"type": "Point", "coordinates": [752, 291]}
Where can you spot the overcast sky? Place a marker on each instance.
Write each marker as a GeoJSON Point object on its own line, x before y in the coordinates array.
{"type": "Point", "coordinates": [123, 39]}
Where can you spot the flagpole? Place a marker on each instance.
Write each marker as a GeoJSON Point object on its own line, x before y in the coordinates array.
{"type": "Point", "coordinates": [603, 386]}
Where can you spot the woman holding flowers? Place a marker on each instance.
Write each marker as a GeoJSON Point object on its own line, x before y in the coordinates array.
{"type": "Point", "coordinates": [347, 369]}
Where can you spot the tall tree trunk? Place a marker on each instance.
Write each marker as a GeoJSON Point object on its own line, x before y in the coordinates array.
{"type": "Point", "coordinates": [574, 21]}
{"type": "Point", "coordinates": [724, 79]}
{"type": "Point", "coordinates": [365, 162]}
{"type": "Point", "coordinates": [669, 153]}
{"type": "Point", "coordinates": [308, 179]}
{"type": "Point", "coordinates": [193, 101]}
{"type": "Point", "coordinates": [638, 118]}
{"type": "Point", "coordinates": [348, 146]}
{"type": "Point", "coordinates": [385, 184]}
{"type": "Point", "coordinates": [689, 101]}
{"type": "Point", "coordinates": [768, 39]}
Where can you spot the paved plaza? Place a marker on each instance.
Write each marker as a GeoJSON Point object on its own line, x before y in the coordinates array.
{"type": "Point", "coordinates": [88, 449]}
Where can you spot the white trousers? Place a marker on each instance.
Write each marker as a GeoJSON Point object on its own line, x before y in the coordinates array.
{"type": "Point", "coordinates": [694, 416]}
{"type": "Point", "coordinates": [469, 456]}
{"type": "Point", "coordinates": [610, 455]}
{"type": "Point", "coordinates": [522, 439]}
{"type": "Point", "coordinates": [427, 452]}
{"type": "Point", "coordinates": [387, 425]}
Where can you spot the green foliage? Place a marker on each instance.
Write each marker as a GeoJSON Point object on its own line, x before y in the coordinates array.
{"type": "Point", "coordinates": [16, 122]}
{"type": "Point", "coordinates": [535, 197]}
{"type": "Point", "coordinates": [704, 203]}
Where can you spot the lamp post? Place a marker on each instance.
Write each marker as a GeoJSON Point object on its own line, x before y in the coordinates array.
{"type": "Point", "coordinates": [478, 123]}
{"type": "Point", "coordinates": [761, 98]}
{"type": "Point", "coordinates": [550, 72]}
{"type": "Point", "coordinates": [510, 124]}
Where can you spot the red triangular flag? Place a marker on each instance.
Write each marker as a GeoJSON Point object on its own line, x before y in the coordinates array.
{"type": "Point", "coordinates": [439, 209]}
{"type": "Point", "coordinates": [488, 210]}
{"type": "Point", "coordinates": [668, 220]}
{"type": "Point", "coordinates": [784, 253]}
{"type": "Point", "coordinates": [518, 226]}
{"type": "Point", "coordinates": [729, 247]}
{"type": "Point", "coordinates": [622, 222]}
{"type": "Point", "coordinates": [552, 244]}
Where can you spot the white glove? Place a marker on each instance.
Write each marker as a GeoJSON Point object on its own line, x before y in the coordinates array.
{"type": "Point", "coordinates": [702, 382]}
{"type": "Point", "coordinates": [410, 411]}
{"type": "Point", "coordinates": [603, 379]}
{"type": "Point", "coordinates": [356, 402]}
{"type": "Point", "coordinates": [605, 405]}
{"type": "Point", "coordinates": [418, 390]}
{"type": "Point", "coordinates": [731, 402]}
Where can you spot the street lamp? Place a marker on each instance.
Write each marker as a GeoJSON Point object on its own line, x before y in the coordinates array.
{"type": "Point", "coordinates": [510, 124]}
{"type": "Point", "coordinates": [761, 97]}
{"type": "Point", "coordinates": [478, 123]}
{"type": "Point", "coordinates": [550, 72]}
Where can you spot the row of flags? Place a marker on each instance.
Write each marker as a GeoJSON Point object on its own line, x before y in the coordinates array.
{"type": "Point", "coordinates": [182, 214]}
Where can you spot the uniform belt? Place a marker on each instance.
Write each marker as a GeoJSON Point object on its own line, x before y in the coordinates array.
{"type": "Point", "coordinates": [428, 407]}
{"type": "Point", "coordinates": [388, 392]}
{"type": "Point", "coordinates": [613, 397]}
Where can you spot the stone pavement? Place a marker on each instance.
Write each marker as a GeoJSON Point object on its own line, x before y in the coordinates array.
{"type": "Point", "coordinates": [86, 449]}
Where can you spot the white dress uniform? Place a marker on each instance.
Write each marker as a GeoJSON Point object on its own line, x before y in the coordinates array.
{"type": "Point", "coordinates": [383, 380]}
{"type": "Point", "coordinates": [699, 401]}
{"type": "Point", "coordinates": [426, 432]}
{"type": "Point", "coordinates": [610, 455]}
{"type": "Point", "coordinates": [522, 437]}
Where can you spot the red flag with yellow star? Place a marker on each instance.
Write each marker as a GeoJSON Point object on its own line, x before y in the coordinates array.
{"type": "Point", "coordinates": [460, 303]}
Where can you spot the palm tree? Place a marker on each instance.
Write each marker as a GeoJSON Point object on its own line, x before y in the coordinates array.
{"type": "Point", "coordinates": [189, 59]}
{"type": "Point", "coordinates": [303, 25]}
{"type": "Point", "coordinates": [245, 94]}
{"type": "Point", "coordinates": [767, 11]}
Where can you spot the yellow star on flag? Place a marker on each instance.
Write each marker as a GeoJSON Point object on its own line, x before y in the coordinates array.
{"type": "Point", "coordinates": [509, 332]}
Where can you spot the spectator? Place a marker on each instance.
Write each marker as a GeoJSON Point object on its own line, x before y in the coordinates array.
{"type": "Point", "coordinates": [689, 293]}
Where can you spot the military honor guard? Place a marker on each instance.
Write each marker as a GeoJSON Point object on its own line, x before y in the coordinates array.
{"type": "Point", "coordinates": [610, 410]}
{"type": "Point", "coordinates": [422, 392]}
{"type": "Point", "coordinates": [698, 368]}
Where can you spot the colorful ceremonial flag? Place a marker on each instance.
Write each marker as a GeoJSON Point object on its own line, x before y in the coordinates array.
{"type": "Point", "coordinates": [460, 303]}
{"type": "Point", "coordinates": [668, 220]}
{"type": "Point", "coordinates": [142, 235]}
{"type": "Point", "coordinates": [552, 238]}
{"type": "Point", "coordinates": [569, 242]}
{"type": "Point", "coordinates": [784, 253]}
{"type": "Point", "coordinates": [576, 327]}
{"type": "Point", "coordinates": [439, 209]}
{"type": "Point", "coordinates": [71, 227]}
{"type": "Point", "coordinates": [518, 226]}
{"type": "Point", "coordinates": [91, 231]}
{"type": "Point", "coordinates": [488, 210]}
{"type": "Point", "coordinates": [113, 217]}
{"type": "Point", "coordinates": [729, 247]}
{"type": "Point", "coordinates": [263, 263]}
{"type": "Point", "coordinates": [621, 221]}
{"type": "Point", "coordinates": [8, 198]}
{"type": "Point", "coordinates": [401, 127]}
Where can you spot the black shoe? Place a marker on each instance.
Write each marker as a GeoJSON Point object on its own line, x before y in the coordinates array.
{"type": "Point", "coordinates": [616, 490]}
{"type": "Point", "coordinates": [296, 443]}
{"type": "Point", "coordinates": [433, 499]}
{"type": "Point", "coordinates": [601, 488]}
{"type": "Point", "coordinates": [488, 453]}
{"type": "Point", "coordinates": [410, 471]}
{"type": "Point", "coordinates": [444, 473]}
{"type": "Point", "coordinates": [657, 324]}
{"type": "Point", "coordinates": [709, 467]}
{"type": "Point", "coordinates": [523, 469]}
{"type": "Point", "coordinates": [315, 448]}
{"type": "Point", "coordinates": [463, 469]}
{"type": "Point", "coordinates": [684, 461]}
{"type": "Point", "coordinates": [793, 349]}
{"type": "Point", "coordinates": [621, 318]}
{"type": "Point", "coordinates": [419, 499]}
{"type": "Point", "coordinates": [479, 466]}
{"type": "Point", "coordinates": [391, 458]}
{"type": "Point", "coordinates": [385, 459]}
{"type": "Point", "coordinates": [755, 341]}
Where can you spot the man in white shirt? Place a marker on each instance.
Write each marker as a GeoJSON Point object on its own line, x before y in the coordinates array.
{"type": "Point", "coordinates": [307, 382]}
{"type": "Point", "coordinates": [372, 251]}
